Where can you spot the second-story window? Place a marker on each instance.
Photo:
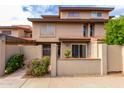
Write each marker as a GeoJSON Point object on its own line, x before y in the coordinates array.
{"type": "Point", "coordinates": [96, 14]}
{"type": "Point", "coordinates": [92, 27]}
{"type": "Point", "coordinates": [85, 29]}
{"type": "Point", "coordinates": [73, 14]}
{"type": "Point", "coordinates": [48, 30]}
{"type": "Point", "coordinates": [6, 32]}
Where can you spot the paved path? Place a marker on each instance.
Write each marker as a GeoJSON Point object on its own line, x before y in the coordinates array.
{"type": "Point", "coordinates": [75, 82]}
{"type": "Point", "coordinates": [15, 80]}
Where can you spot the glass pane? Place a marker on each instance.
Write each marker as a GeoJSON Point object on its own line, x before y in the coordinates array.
{"type": "Point", "coordinates": [73, 14]}
{"type": "Point", "coordinates": [59, 50]}
{"type": "Point", "coordinates": [83, 51]}
{"type": "Point", "coordinates": [99, 14]}
{"type": "Point", "coordinates": [91, 30]}
{"type": "Point", "coordinates": [75, 51]}
{"type": "Point", "coordinates": [46, 50]}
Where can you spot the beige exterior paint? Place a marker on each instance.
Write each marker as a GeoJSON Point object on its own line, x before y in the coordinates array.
{"type": "Point", "coordinates": [2, 57]}
{"type": "Point", "coordinates": [114, 61]}
{"type": "Point", "coordinates": [64, 30]}
{"type": "Point", "coordinates": [11, 50]}
{"type": "Point", "coordinates": [53, 60]}
{"type": "Point", "coordinates": [78, 67]}
{"type": "Point", "coordinates": [94, 49]}
{"type": "Point", "coordinates": [32, 52]}
{"type": "Point", "coordinates": [84, 15]}
{"type": "Point", "coordinates": [102, 54]}
{"type": "Point", "coordinates": [15, 33]}
{"type": "Point", "coordinates": [122, 59]}
{"type": "Point", "coordinates": [99, 30]}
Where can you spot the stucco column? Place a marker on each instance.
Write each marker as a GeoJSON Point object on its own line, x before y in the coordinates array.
{"type": "Point", "coordinates": [94, 49]}
{"type": "Point", "coordinates": [103, 56]}
{"type": "Point", "coordinates": [88, 29]}
{"type": "Point", "coordinates": [53, 60]}
{"type": "Point", "coordinates": [2, 57]}
{"type": "Point", "coordinates": [41, 51]}
{"type": "Point", "coordinates": [122, 59]}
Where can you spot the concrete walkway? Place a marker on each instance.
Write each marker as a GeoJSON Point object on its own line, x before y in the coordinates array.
{"type": "Point", "coordinates": [75, 82]}
{"type": "Point", "coordinates": [15, 80]}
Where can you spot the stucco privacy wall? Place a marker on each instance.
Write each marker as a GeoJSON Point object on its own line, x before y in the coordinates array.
{"type": "Point", "coordinates": [32, 52]}
{"type": "Point", "coordinates": [11, 50]}
{"type": "Point", "coordinates": [2, 57]}
{"type": "Point", "coordinates": [114, 58]}
{"type": "Point", "coordinates": [78, 67]}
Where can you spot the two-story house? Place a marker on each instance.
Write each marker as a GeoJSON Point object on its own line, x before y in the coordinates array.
{"type": "Point", "coordinates": [21, 31]}
{"type": "Point", "coordinates": [75, 28]}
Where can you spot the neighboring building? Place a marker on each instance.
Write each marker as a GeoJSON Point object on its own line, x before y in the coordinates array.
{"type": "Point", "coordinates": [75, 28]}
{"type": "Point", "coordinates": [21, 31]}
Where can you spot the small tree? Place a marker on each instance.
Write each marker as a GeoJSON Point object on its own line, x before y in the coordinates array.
{"type": "Point", "coordinates": [115, 31]}
{"type": "Point", "coordinates": [68, 53]}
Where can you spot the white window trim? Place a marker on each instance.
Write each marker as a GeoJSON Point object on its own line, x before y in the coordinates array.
{"type": "Point", "coordinates": [80, 44]}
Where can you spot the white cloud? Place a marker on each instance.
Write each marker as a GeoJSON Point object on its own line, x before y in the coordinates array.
{"type": "Point", "coordinates": [12, 15]}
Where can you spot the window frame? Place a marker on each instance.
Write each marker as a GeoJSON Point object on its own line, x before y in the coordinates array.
{"type": "Point", "coordinates": [46, 49]}
{"type": "Point", "coordinates": [73, 14]}
{"type": "Point", "coordinates": [85, 33]}
{"type": "Point", "coordinates": [44, 27]}
{"type": "Point", "coordinates": [6, 31]}
{"type": "Point", "coordinates": [79, 48]}
{"type": "Point", "coordinates": [95, 14]}
{"type": "Point", "coordinates": [93, 31]}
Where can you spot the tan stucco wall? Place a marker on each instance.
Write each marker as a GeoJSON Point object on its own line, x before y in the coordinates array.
{"type": "Point", "coordinates": [11, 50]}
{"type": "Point", "coordinates": [102, 54]}
{"type": "Point", "coordinates": [64, 30]}
{"type": "Point", "coordinates": [99, 30]}
{"type": "Point", "coordinates": [15, 33]}
{"type": "Point", "coordinates": [53, 60]}
{"type": "Point", "coordinates": [78, 67]}
{"type": "Point", "coordinates": [83, 15]}
{"type": "Point", "coordinates": [32, 52]}
{"type": "Point", "coordinates": [114, 58]}
{"type": "Point", "coordinates": [93, 49]}
{"type": "Point", "coordinates": [2, 57]}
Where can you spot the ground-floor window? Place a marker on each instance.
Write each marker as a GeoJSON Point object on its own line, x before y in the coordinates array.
{"type": "Point", "coordinates": [79, 50]}
{"type": "Point", "coordinates": [46, 49]}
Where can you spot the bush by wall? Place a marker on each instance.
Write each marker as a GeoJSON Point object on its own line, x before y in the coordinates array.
{"type": "Point", "coordinates": [38, 67]}
{"type": "Point", "coordinates": [14, 63]}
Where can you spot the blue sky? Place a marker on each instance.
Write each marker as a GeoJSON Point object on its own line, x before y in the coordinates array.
{"type": "Point", "coordinates": [18, 14]}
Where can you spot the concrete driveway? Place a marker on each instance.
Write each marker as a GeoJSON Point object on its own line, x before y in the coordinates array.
{"type": "Point", "coordinates": [16, 80]}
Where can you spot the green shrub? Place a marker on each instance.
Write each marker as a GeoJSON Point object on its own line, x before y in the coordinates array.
{"type": "Point", "coordinates": [38, 67]}
{"type": "Point", "coordinates": [68, 53]}
{"type": "Point", "coordinates": [14, 62]}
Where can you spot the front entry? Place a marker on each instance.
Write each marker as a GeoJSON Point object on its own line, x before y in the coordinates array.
{"type": "Point", "coordinates": [46, 49]}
